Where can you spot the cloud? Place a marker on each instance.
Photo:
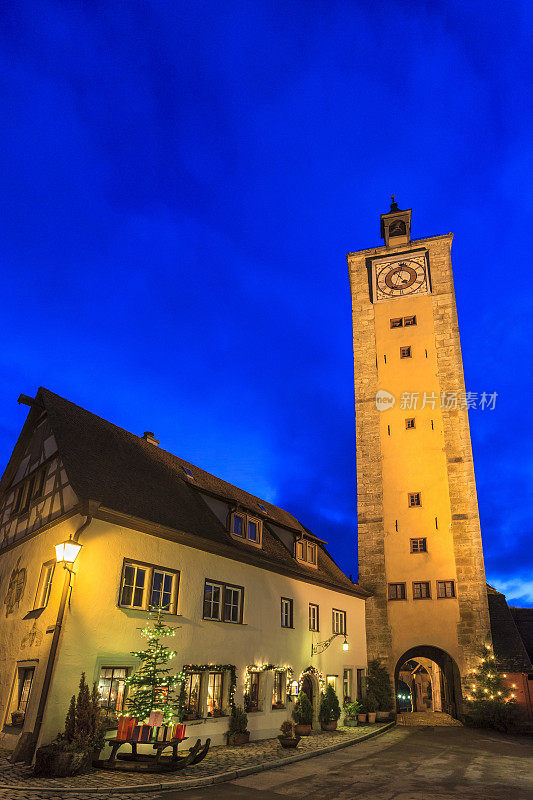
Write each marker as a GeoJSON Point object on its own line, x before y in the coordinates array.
{"type": "Point", "coordinates": [517, 591]}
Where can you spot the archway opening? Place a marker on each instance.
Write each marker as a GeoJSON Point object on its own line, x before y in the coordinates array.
{"type": "Point", "coordinates": [427, 680]}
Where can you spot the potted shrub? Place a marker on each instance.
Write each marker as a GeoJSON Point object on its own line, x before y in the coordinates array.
{"type": "Point", "coordinates": [330, 710]}
{"type": "Point", "coordinates": [73, 750]}
{"type": "Point", "coordinates": [288, 736]}
{"type": "Point", "coordinates": [379, 684]}
{"type": "Point", "coordinates": [372, 707]}
{"type": "Point", "coordinates": [303, 715]}
{"type": "Point", "coordinates": [351, 713]}
{"type": "Point", "coordinates": [362, 712]}
{"type": "Point", "coordinates": [238, 732]}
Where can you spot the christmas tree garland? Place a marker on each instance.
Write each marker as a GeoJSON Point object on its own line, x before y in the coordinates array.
{"type": "Point", "coordinates": [217, 668]}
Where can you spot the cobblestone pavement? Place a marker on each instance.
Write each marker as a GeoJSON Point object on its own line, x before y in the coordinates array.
{"type": "Point", "coordinates": [219, 759]}
{"type": "Point", "coordinates": [417, 718]}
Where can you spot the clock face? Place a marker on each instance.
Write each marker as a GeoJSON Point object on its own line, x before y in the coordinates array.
{"type": "Point", "coordinates": [400, 277]}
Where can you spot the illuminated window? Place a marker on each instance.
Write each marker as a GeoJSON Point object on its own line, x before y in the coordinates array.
{"type": "Point", "coordinates": [397, 591]}
{"type": "Point", "coordinates": [418, 546]}
{"type": "Point", "coordinates": [214, 694]}
{"type": "Point", "coordinates": [253, 699]}
{"type": "Point", "coordinates": [445, 588]}
{"type": "Point", "coordinates": [192, 694]}
{"type": "Point", "coordinates": [331, 681]}
{"type": "Point", "coordinates": [278, 694]}
{"type": "Point", "coordinates": [347, 684]}
{"type": "Point", "coordinates": [405, 352]}
{"type": "Point", "coordinates": [23, 688]}
{"type": "Point", "coordinates": [45, 584]}
{"type": "Point", "coordinates": [111, 688]}
{"type": "Point", "coordinates": [313, 617]}
{"type": "Point", "coordinates": [415, 499]}
{"type": "Point", "coordinates": [339, 621]}
{"type": "Point", "coordinates": [421, 590]}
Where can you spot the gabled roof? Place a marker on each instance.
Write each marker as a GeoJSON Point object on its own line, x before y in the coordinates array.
{"type": "Point", "coordinates": [523, 618]}
{"type": "Point", "coordinates": [508, 646]}
{"type": "Point", "coordinates": [129, 475]}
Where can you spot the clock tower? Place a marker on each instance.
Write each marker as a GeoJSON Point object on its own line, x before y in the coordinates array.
{"type": "Point", "coordinates": [420, 550]}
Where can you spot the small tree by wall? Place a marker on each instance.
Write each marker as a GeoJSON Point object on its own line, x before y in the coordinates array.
{"type": "Point", "coordinates": [489, 702]}
{"type": "Point", "coordinates": [379, 686]}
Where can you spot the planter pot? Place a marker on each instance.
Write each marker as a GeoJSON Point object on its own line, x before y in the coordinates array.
{"type": "Point", "coordinates": [288, 742]}
{"type": "Point", "coordinates": [361, 718]}
{"type": "Point", "coordinates": [329, 726]}
{"type": "Point", "coordinates": [382, 716]}
{"type": "Point", "coordinates": [238, 738]}
{"type": "Point", "coordinates": [53, 763]}
{"type": "Point", "coordinates": [350, 723]}
{"type": "Point", "coordinates": [302, 730]}
{"type": "Point", "coordinates": [371, 716]}
{"type": "Point", "coordinates": [17, 718]}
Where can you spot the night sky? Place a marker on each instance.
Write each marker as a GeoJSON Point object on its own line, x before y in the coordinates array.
{"type": "Point", "coordinates": [180, 183]}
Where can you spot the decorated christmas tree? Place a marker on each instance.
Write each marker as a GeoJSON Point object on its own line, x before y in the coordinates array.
{"type": "Point", "coordinates": [153, 687]}
{"type": "Point", "coordinates": [489, 702]}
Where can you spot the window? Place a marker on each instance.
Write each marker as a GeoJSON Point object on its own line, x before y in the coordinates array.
{"type": "Point", "coordinates": [145, 586]}
{"type": "Point", "coordinates": [445, 588]}
{"type": "Point", "coordinates": [415, 499]}
{"type": "Point", "coordinates": [30, 489]}
{"type": "Point", "coordinates": [396, 591]}
{"type": "Point", "coordinates": [421, 590]}
{"type": "Point", "coordinates": [246, 527]}
{"type": "Point", "coordinates": [111, 688]}
{"type": "Point", "coordinates": [45, 584]}
{"type": "Point", "coordinates": [347, 684]}
{"type": "Point", "coordinates": [360, 678]}
{"type": "Point", "coordinates": [25, 680]}
{"type": "Point", "coordinates": [306, 551]}
{"type": "Point", "coordinates": [223, 602]}
{"type": "Point", "coordinates": [278, 695]}
{"type": "Point", "coordinates": [286, 612]}
{"type": "Point", "coordinates": [396, 323]}
{"type": "Point", "coordinates": [405, 352]}
{"type": "Point", "coordinates": [339, 621]}
{"type": "Point", "coordinates": [253, 701]}
{"type": "Point", "coordinates": [418, 546]}
{"type": "Point", "coordinates": [331, 680]}
{"type": "Point", "coordinates": [407, 321]}
{"type": "Point", "coordinates": [214, 694]}
{"type": "Point", "coordinates": [313, 617]}
{"type": "Point", "coordinates": [410, 423]}
{"type": "Point", "coordinates": [192, 694]}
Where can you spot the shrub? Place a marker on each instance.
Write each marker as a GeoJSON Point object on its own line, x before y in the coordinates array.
{"type": "Point", "coordinates": [504, 717]}
{"type": "Point", "coordinates": [238, 721]}
{"type": "Point", "coordinates": [330, 709]}
{"type": "Point", "coordinates": [378, 683]}
{"type": "Point", "coordinates": [287, 729]}
{"type": "Point", "coordinates": [353, 709]}
{"type": "Point", "coordinates": [371, 702]}
{"type": "Point", "coordinates": [83, 723]}
{"type": "Point", "coordinates": [303, 710]}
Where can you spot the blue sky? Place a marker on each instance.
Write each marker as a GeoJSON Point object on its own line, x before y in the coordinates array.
{"type": "Point", "coordinates": [180, 183]}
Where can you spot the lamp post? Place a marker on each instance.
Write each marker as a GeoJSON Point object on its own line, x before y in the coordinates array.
{"type": "Point", "coordinates": [320, 647]}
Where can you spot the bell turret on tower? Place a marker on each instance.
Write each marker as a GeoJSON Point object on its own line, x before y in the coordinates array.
{"type": "Point", "coordinates": [396, 225]}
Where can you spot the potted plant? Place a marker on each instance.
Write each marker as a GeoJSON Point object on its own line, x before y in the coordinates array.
{"type": "Point", "coordinates": [288, 736]}
{"type": "Point", "coordinates": [330, 710]}
{"type": "Point", "coordinates": [351, 713]}
{"type": "Point", "coordinates": [362, 712]}
{"type": "Point", "coordinates": [372, 706]}
{"type": "Point", "coordinates": [73, 750]}
{"type": "Point", "coordinates": [238, 732]}
{"type": "Point", "coordinates": [302, 714]}
{"type": "Point", "coordinates": [378, 682]}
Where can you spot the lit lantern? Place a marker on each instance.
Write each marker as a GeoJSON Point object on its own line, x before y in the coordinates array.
{"type": "Point", "coordinates": [345, 645]}
{"type": "Point", "coordinates": [67, 552]}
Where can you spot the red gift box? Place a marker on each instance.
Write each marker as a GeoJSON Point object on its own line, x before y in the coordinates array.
{"type": "Point", "coordinates": [125, 727]}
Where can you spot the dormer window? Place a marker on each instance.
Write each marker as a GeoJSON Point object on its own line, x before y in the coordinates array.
{"type": "Point", "coordinates": [306, 552]}
{"type": "Point", "coordinates": [244, 526]}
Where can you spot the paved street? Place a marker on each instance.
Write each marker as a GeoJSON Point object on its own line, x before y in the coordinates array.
{"type": "Point", "coordinates": [404, 764]}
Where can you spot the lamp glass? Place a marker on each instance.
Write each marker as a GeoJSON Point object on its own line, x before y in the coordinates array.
{"type": "Point", "coordinates": [67, 552]}
{"type": "Point", "coordinates": [345, 645]}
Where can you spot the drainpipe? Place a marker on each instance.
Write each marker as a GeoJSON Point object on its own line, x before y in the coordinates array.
{"type": "Point", "coordinates": [33, 737]}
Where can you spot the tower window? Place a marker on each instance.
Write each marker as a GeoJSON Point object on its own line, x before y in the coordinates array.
{"type": "Point", "coordinates": [410, 423]}
{"type": "Point", "coordinates": [415, 499]}
{"type": "Point", "coordinates": [421, 590]}
{"type": "Point", "coordinates": [397, 591]}
{"type": "Point", "coordinates": [405, 352]}
{"type": "Point", "coordinates": [419, 546]}
{"type": "Point", "coordinates": [407, 321]}
{"type": "Point", "coordinates": [396, 323]}
{"type": "Point", "coordinates": [397, 228]}
{"type": "Point", "coordinates": [445, 588]}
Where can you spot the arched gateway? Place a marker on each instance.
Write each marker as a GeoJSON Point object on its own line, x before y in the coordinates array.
{"type": "Point", "coordinates": [433, 679]}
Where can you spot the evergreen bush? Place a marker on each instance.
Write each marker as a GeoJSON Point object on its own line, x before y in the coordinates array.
{"type": "Point", "coordinates": [238, 721]}
{"type": "Point", "coordinates": [330, 709]}
{"type": "Point", "coordinates": [378, 684]}
{"type": "Point", "coordinates": [303, 710]}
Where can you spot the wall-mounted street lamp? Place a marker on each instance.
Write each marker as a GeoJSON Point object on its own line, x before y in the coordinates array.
{"type": "Point", "coordinates": [320, 647]}
{"type": "Point", "coordinates": [67, 553]}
